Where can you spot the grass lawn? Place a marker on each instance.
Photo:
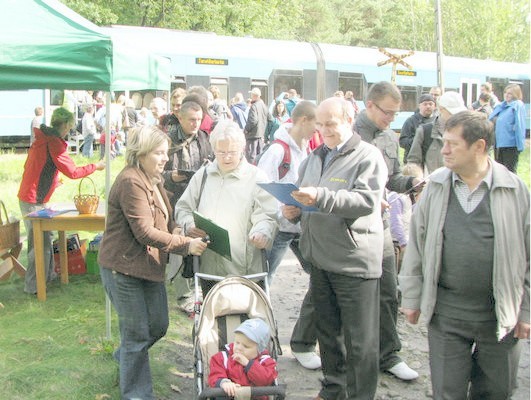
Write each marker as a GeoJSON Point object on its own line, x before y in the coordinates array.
{"type": "Point", "coordinates": [57, 349]}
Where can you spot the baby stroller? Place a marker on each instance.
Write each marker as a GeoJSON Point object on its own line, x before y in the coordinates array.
{"type": "Point", "coordinates": [230, 302]}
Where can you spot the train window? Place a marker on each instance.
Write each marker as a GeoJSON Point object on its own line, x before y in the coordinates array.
{"type": "Point", "coordinates": [287, 79]}
{"type": "Point", "coordinates": [178, 82]}
{"type": "Point", "coordinates": [56, 97]}
{"type": "Point", "coordinates": [409, 98]}
{"type": "Point", "coordinates": [354, 82]}
{"type": "Point", "coordinates": [525, 85]}
{"type": "Point", "coordinates": [137, 99]}
{"type": "Point", "coordinates": [498, 85]}
{"type": "Point", "coordinates": [262, 85]}
{"type": "Point", "coordinates": [148, 97]}
{"type": "Point", "coordinates": [223, 87]}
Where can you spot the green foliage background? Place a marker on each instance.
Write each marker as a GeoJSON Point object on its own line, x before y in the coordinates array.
{"type": "Point", "coordinates": [487, 29]}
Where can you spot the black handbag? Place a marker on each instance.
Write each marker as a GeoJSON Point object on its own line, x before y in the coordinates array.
{"type": "Point", "coordinates": [187, 268]}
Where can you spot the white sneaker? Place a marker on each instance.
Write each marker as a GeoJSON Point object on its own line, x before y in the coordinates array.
{"type": "Point", "coordinates": [402, 371]}
{"type": "Point", "coordinates": [308, 360]}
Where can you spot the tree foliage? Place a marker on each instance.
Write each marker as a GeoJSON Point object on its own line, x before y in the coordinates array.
{"type": "Point", "coordinates": [489, 29]}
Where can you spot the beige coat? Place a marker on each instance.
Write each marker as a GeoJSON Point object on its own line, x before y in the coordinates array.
{"type": "Point", "coordinates": [421, 267]}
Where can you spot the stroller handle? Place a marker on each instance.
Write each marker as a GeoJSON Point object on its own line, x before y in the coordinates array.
{"type": "Point", "coordinates": [279, 391]}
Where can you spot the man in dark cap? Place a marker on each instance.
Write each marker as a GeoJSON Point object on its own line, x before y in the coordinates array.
{"type": "Point", "coordinates": [423, 115]}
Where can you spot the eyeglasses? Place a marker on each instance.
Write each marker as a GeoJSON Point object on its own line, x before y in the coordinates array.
{"type": "Point", "coordinates": [390, 114]}
{"type": "Point", "coordinates": [226, 154]}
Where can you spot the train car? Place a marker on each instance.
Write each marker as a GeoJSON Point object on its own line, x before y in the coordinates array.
{"type": "Point", "coordinates": [315, 70]}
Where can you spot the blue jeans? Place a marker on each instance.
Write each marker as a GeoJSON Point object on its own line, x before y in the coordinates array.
{"type": "Point", "coordinates": [304, 335]}
{"type": "Point", "coordinates": [142, 308]}
{"type": "Point", "coordinates": [278, 251]}
{"type": "Point", "coordinates": [88, 148]}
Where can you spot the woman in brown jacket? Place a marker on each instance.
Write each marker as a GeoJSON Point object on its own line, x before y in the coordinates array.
{"type": "Point", "coordinates": [138, 237]}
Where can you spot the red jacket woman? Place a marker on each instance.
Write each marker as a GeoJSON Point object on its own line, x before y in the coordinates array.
{"type": "Point", "coordinates": [47, 156]}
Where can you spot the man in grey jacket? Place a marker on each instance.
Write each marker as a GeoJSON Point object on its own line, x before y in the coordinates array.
{"type": "Point", "coordinates": [343, 240]}
{"type": "Point", "coordinates": [466, 266]}
{"type": "Point", "coordinates": [383, 102]}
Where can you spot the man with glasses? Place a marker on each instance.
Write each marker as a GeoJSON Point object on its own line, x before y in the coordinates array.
{"type": "Point", "coordinates": [383, 104]}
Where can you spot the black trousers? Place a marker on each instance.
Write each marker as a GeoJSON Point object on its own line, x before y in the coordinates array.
{"type": "Point", "coordinates": [507, 156]}
{"type": "Point", "coordinates": [347, 315]}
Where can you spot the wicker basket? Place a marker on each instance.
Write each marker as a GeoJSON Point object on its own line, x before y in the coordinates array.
{"type": "Point", "coordinates": [86, 203]}
{"type": "Point", "coordinates": [9, 231]}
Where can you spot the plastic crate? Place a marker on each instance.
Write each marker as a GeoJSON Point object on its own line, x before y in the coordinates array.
{"type": "Point", "coordinates": [91, 259]}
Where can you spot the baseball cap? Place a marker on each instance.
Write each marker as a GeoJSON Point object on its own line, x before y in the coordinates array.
{"type": "Point", "coordinates": [256, 330]}
{"type": "Point", "coordinates": [453, 102]}
{"type": "Point", "coordinates": [256, 91]}
{"type": "Point", "coordinates": [426, 97]}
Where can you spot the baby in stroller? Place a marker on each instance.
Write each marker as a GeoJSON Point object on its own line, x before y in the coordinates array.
{"type": "Point", "coordinates": [246, 361]}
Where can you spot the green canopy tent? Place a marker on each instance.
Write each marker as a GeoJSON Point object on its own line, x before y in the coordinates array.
{"type": "Point", "coordinates": [46, 45]}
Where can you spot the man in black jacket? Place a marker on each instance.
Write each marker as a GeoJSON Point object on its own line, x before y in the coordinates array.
{"type": "Point", "coordinates": [256, 125]}
{"type": "Point", "coordinates": [423, 115]}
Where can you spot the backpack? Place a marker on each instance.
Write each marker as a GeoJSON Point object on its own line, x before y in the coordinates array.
{"type": "Point", "coordinates": [284, 166]}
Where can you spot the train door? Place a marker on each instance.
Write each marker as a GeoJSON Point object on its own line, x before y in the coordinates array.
{"type": "Point", "coordinates": [314, 89]}
{"type": "Point", "coordinates": [470, 90]}
{"type": "Point", "coordinates": [310, 85]}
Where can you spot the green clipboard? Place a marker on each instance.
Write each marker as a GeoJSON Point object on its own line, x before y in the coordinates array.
{"type": "Point", "coordinates": [219, 237]}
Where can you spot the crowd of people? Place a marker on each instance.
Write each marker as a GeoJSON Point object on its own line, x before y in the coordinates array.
{"type": "Point", "coordinates": [365, 229]}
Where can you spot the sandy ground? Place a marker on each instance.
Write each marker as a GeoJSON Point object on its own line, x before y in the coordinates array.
{"type": "Point", "coordinates": [287, 292]}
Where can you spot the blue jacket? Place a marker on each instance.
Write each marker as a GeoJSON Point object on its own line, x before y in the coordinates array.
{"type": "Point", "coordinates": [240, 112]}
{"type": "Point", "coordinates": [510, 124]}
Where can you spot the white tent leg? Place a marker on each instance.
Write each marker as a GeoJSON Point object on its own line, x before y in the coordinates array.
{"type": "Point", "coordinates": [107, 190]}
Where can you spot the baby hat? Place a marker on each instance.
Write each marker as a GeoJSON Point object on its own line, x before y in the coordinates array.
{"type": "Point", "coordinates": [256, 330]}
